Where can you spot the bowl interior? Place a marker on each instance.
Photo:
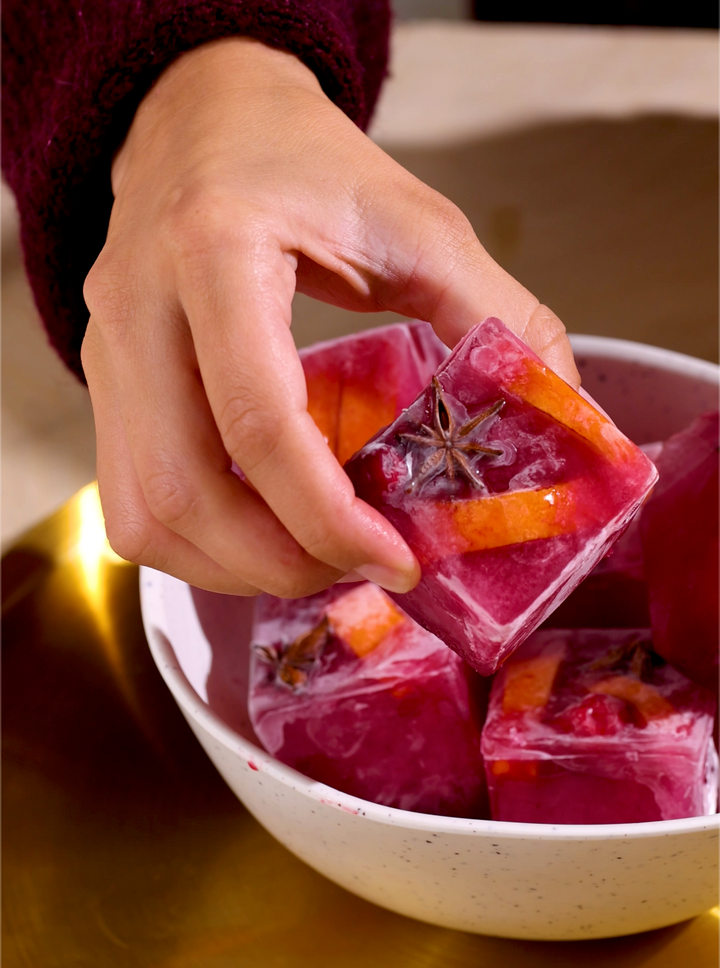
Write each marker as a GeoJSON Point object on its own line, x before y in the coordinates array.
{"type": "Point", "coordinates": [651, 393]}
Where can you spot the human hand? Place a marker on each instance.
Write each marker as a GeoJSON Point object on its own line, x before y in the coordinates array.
{"type": "Point", "coordinates": [240, 181]}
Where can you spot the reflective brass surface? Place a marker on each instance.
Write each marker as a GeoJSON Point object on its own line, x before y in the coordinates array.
{"type": "Point", "coordinates": [123, 847]}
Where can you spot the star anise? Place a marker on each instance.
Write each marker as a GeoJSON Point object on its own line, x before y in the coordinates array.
{"type": "Point", "coordinates": [293, 661]}
{"type": "Point", "coordinates": [450, 441]}
{"type": "Point", "coordinates": [635, 655]}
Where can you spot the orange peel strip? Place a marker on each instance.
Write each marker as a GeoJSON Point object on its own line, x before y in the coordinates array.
{"type": "Point", "coordinates": [363, 618]}
{"type": "Point", "coordinates": [515, 769]}
{"type": "Point", "coordinates": [546, 391]}
{"type": "Point", "coordinates": [644, 697]}
{"type": "Point", "coordinates": [528, 682]}
{"type": "Point", "coordinates": [362, 413]}
{"type": "Point", "coordinates": [324, 406]}
{"type": "Point", "coordinates": [514, 517]}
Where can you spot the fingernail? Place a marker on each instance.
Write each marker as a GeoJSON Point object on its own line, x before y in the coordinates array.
{"type": "Point", "coordinates": [352, 576]}
{"type": "Point", "coordinates": [593, 403]}
{"type": "Point", "coordinates": [387, 578]}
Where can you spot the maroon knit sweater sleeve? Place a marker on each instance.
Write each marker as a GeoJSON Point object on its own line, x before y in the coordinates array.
{"type": "Point", "coordinates": [74, 72]}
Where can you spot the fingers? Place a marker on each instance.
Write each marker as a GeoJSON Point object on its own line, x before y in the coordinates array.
{"type": "Point", "coordinates": [199, 367]}
{"type": "Point", "coordinates": [481, 288]}
{"type": "Point", "coordinates": [422, 258]}
{"type": "Point", "coordinates": [133, 532]}
{"type": "Point", "coordinates": [460, 284]}
{"type": "Point", "coordinates": [546, 334]}
{"type": "Point", "coordinates": [169, 497]}
{"type": "Point", "coordinates": [239, 309]}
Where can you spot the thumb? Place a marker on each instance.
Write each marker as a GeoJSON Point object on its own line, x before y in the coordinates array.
{"type": "Point", "coordinates": [443, 274]}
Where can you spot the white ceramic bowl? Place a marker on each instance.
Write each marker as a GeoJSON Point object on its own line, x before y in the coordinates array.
{"type": "Point", "coordinates": [513, 880]}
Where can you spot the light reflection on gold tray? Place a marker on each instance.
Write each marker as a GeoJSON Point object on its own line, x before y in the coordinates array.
{"type": "Point", "coordinates": [123, 847]}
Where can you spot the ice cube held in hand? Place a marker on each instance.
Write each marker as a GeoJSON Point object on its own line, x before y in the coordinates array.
{"type": "Point", "coordinates": [508, 486]}
{"type": "Point", "coordinates": [347, 689]}
{"type": "Point", "coordinates": [591, 726]}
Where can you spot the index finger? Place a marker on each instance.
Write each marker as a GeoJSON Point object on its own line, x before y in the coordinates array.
{"type": "Point", "coordinates": [238, 307]}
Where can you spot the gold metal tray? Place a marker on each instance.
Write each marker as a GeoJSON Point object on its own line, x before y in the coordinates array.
{"type": "Point", "coordinates": [123, 847]}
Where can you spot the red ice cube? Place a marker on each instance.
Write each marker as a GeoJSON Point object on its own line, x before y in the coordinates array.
{"type": "Point", "coordinates": [591, 726]}
{"type": "Point", "coordinates": [347, 689]}
{"type": "Point", "coordinates": [614, 594]}
{"type": "Point", "coordinates": [594, 715]}
{"type": "Point", "coordinates": [360, 383]}
{"type": "Point", "coordinates": [679, 530]}
{"type": "Point", "coordinates": [508, 486]}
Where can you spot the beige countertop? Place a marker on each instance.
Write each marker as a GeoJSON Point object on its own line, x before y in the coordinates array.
{"type": "Point", "coordinates": [585, 158]}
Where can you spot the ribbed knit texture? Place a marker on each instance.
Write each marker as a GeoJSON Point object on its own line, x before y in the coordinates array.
{"type": "Point", "coordinates": [73, 75]}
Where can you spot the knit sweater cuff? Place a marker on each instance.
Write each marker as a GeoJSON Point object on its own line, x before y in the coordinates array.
{"type": "Point", "coordinates": [64, 119]}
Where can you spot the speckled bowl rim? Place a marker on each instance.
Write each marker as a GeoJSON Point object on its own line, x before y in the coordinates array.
{"type": "Point", "coordinates": [196, 709]}
{"type": "Point", "coordinates": [644, 354]}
